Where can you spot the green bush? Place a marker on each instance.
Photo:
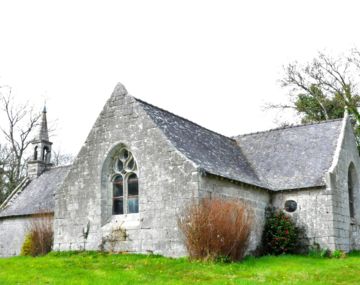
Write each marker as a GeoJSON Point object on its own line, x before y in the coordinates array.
{"type": "Point", "coordinates": [338, 254]}
{"type": "Point", "coordinates": [27, 245]}
{"type": "Point", "coordinates": [281, 235]}
{"type": "Point", "coordinates": [316, 251]}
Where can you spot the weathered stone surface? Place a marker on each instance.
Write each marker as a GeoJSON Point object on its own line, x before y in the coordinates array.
{"type": "Point", "coordinates": [346, 229]}
{"type": "Point", "coordinates": [12, 234]}
{"type": "Point", "coordinates": [179, 162]}
{"type": "Point", "coordinates": [165, 186]}
{"type": "Point", "coordinates": [324, 212]}
{"type": "Point", "coordinates": [313, 213]}
{"type": "Point", "coordinates": [257, 199]}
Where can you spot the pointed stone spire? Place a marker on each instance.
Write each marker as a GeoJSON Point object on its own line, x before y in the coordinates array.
{"type": "Point", "coordinates": [43, 133]}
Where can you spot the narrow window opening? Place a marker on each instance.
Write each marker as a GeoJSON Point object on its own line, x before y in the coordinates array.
{"type": "Point", "coordinates": [118, 195]}
{"type": "Point", "coordinates": [133, 194]}
{"type": "Point", "coordinates": [45, 154]}
{"type": "Point", "coordinates": [351, 194]}
{"type": "Point", "coordinates": [36, 153]}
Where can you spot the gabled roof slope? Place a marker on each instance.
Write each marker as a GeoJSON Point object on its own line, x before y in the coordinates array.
{"type": "Point", "coordinates": [212, 152]}
{"type": "Point", "coordinates": [295, 157]}
{"type": "Point", "coordinates": [38, 196]}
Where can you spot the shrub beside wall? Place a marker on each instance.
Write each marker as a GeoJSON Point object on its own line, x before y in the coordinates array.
{"type": "Point", "coordinates": [216, 229]}
{"type": "Point", "coordinates": [39, 239]}
{"type": "Point", "coordinates": [281, 235]}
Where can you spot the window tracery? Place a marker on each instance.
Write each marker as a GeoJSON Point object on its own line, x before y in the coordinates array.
{"type": "Point", "coordinates": [125, 184]}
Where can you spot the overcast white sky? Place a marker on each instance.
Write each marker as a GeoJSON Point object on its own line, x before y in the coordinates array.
{"type": "Point", "coordinates": [214, 62]}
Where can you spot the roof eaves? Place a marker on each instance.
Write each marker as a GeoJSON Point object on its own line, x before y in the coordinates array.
{"type": "Point", "coordinates": [301, 189]}
{"type": "Point", "coordinates": [205, 172]}
{"type": "Point", "coordinates": [26, 215]}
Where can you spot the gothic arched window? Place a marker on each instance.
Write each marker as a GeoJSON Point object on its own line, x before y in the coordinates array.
{"type": "Point", "coordinates": [352, 185]}
{"type": "Point", "coordinates": [125, 184]}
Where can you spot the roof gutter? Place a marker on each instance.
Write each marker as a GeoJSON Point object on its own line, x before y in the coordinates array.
{"type": "Point", "coordinates": [204, 172]}
{"type": "Point", "coordinates": [27, 215]}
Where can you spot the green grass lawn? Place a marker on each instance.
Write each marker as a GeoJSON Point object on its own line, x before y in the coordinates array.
{"type": "Point", "coordinates": [96, 268]}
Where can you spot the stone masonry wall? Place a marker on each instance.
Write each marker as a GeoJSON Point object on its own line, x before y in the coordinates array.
{"type": "Point", "coordinates": [12, 234]}
{"type": "Point", "coordinates": [346, 231]}
{"type": "Point", "coordinates": [313, 213]}
{"type": "Point", "coordinates": [257, 199]}
{"type": "Point", "coordinates": [167, 182]}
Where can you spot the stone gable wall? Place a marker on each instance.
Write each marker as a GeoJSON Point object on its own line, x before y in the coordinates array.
{"type": "Point", "coordinates": [324, 213]}
{"type": "Point", "coordinates": [167, 182]}
{"type": "Point", "coordinates": [346, 231]}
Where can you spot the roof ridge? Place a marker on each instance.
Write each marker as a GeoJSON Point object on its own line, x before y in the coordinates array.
{"type": "Point", "coordinates": [60, 166]}
{"type": "Point", "coordinates": [289, 127]}
{"type": "Point", "coordinates": [141, 101]}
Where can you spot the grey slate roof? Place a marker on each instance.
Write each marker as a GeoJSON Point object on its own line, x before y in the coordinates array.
{"type": "Point", "coordinates": [294, 157]}
{"type": "Point", "coordinates": [38, 195]}
{"type": "Point", "coordinates": [212, 152]}
{"type": "Point", "coordinates": [282, 159]}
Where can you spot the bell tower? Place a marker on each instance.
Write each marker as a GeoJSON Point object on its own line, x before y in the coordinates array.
{"type": "Point", "coordinates": [41, 157]}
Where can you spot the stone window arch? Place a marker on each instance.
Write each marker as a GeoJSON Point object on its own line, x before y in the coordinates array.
{"type": "Point", "coordinates": [353, 185]}
{"type": "Point", "coordinates": [125, 183]}
{"type": "Point", "coordinates": [36, 153]}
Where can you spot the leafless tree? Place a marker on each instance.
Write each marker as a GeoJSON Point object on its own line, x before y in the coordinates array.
{"type": "Point", "coordinates": [17, 126]}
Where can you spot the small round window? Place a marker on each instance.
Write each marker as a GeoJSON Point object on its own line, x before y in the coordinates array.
{"type": "Point", "coordinates": [290, 206]}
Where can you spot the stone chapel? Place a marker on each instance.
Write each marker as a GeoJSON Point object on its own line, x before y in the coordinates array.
{"type": "Point", "coordinates": [140, 166]}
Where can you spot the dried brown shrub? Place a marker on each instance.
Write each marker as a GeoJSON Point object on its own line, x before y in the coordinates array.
{"type": "Point", "coordinates": [216, 229]}
{"type": "Point", "coordinates": [39, 239]}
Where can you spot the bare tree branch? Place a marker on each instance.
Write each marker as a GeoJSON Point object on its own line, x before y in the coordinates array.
{"type": "Point", "coordinates": [17, 128]}
{"type": "Point", "coordinates": [323, 87]}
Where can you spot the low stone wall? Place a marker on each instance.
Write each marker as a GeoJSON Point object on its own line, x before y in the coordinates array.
{"type": "Point", "coordinates": [12, 234]}
{"type": "Point", "coordinates": [257, 199]}
{"type": "Point", "coordinates": [313, 213]}
{"type": "Point", "coordinates": [355, 237]}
